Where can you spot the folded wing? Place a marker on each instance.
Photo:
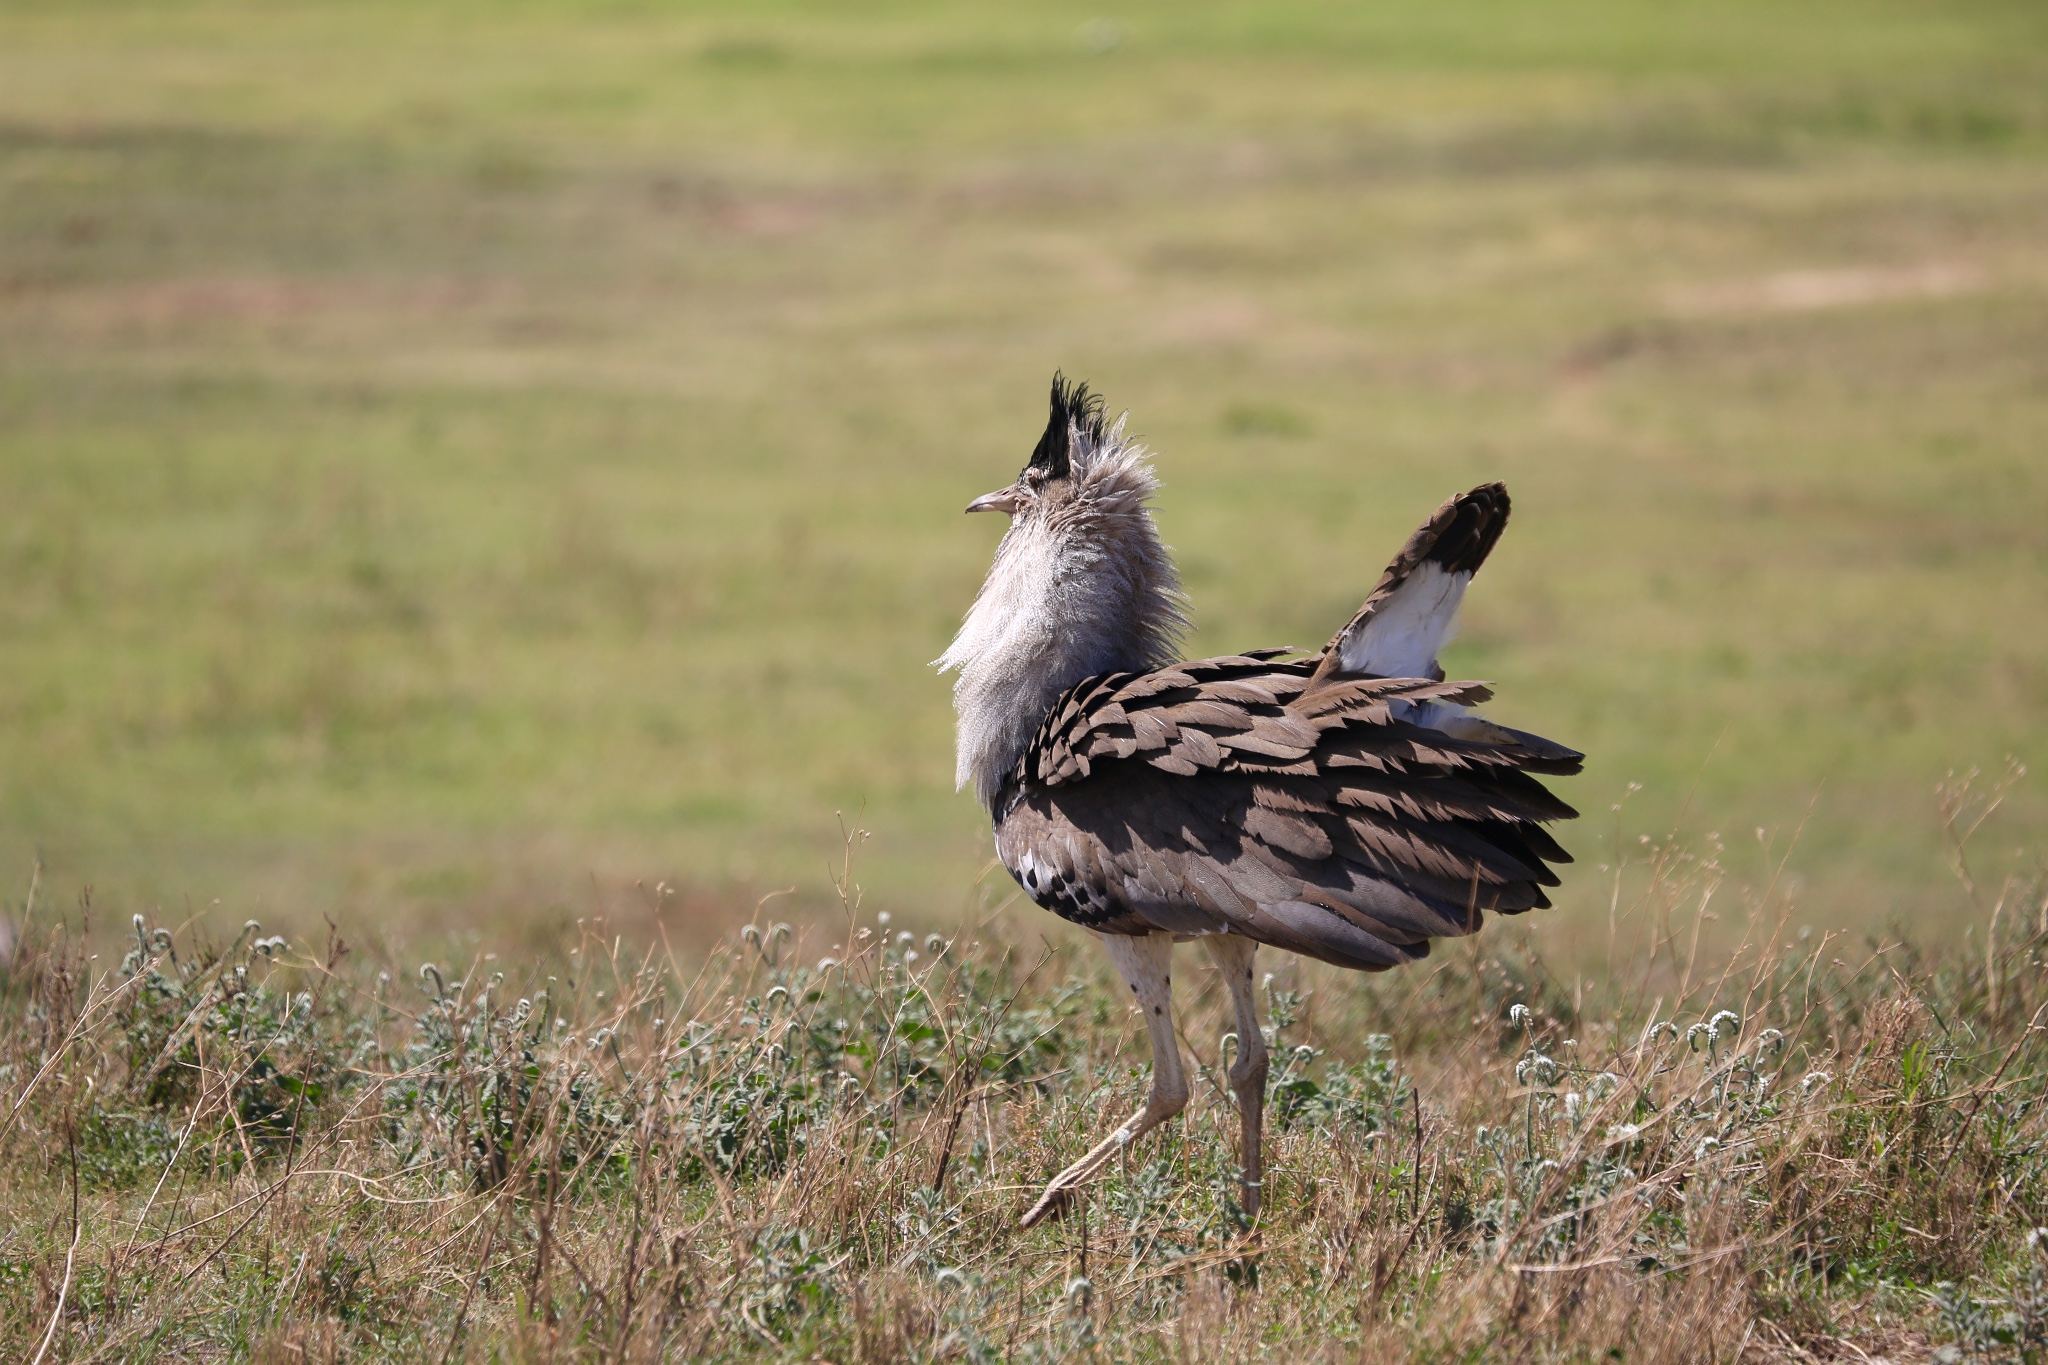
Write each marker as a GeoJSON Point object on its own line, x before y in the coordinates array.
{"type": "Point", "coordinates": [1259, 797]}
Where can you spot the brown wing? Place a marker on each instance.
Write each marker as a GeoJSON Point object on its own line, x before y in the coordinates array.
{"type": "Point", "coordinates": [1409, 614]}
{"type": "Point", "coordinates": [1232, 795]}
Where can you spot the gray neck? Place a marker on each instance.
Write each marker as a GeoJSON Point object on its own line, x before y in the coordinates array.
{"type": "Point", "coordinates": [1083, 588]}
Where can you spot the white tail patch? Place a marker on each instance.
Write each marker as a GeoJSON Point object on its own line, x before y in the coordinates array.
{"type": "Point", "coordinates": [1403, 635]}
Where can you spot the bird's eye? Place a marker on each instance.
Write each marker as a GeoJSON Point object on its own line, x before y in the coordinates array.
{"type": "Point", "coordinates": [1034, 476]}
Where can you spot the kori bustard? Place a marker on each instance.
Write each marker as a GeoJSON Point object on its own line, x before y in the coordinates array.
{"type": "Point", "coordinates": [1347, 806]}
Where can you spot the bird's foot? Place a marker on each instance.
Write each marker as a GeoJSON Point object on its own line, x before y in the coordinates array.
{"type": "Point", "coordinates": [1055, 1203]}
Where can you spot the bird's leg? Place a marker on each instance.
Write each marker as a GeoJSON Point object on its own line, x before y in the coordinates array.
{"type": "Point", "coordinates": [1145, 963]}
{"type": "Point", "coordinates": [1233, 957]}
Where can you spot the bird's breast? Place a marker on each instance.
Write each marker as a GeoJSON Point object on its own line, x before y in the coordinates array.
{"type": "Point", "coordinates": [1055, 871]}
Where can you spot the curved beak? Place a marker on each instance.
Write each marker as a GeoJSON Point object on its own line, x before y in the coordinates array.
{"type": "Point", "coordinates": [1002, 500]}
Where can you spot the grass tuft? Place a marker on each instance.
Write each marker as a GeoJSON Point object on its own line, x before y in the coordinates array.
{"type": "Point", "coordinates": [1767, 1150]}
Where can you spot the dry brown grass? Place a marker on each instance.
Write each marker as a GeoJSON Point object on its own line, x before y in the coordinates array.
{"type": "Point", "coordinates": [1783, 1147]}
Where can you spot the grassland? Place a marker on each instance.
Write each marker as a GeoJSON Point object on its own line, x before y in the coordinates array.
{"type": "Point", "coordinates": [467, 469]}
{"type": "Point", "coordinates": [1805, 1148]}
{"type": "Point", "coordinates": [459, 461]}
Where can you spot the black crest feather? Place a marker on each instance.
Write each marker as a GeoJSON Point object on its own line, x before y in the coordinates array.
{"type": "Point", "coordinates": [1072, 406]}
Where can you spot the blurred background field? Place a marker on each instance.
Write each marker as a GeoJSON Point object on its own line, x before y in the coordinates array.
{"type": "Point", "coordinates": [459, 461]}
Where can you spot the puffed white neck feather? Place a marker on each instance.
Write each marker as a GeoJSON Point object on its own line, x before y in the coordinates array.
{"type": "Point", "coordinates": [1081, 585]}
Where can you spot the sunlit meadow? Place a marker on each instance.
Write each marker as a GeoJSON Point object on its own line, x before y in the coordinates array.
{"type": "Point", "coordinates": [467, 460]}
{"type": "Point", "coordinates": [480, 487]}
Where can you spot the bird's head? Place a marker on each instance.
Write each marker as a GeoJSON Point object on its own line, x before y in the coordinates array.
{"type": "Point", "coordinates": [1057, 479]}
{"type": "Point", "coordinates": [1082, 560]}
{"type": "Point", "coordinates": [1081, 585]}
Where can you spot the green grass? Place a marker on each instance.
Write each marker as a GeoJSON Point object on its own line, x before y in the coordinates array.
{"type": "Point", "coordinates": [461, 461]}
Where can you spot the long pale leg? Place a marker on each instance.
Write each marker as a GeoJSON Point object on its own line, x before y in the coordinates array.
{"type": "Point", "coordinates": [1233, 957]}
{"type": "Point", "coordinates": [1146, 964]}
